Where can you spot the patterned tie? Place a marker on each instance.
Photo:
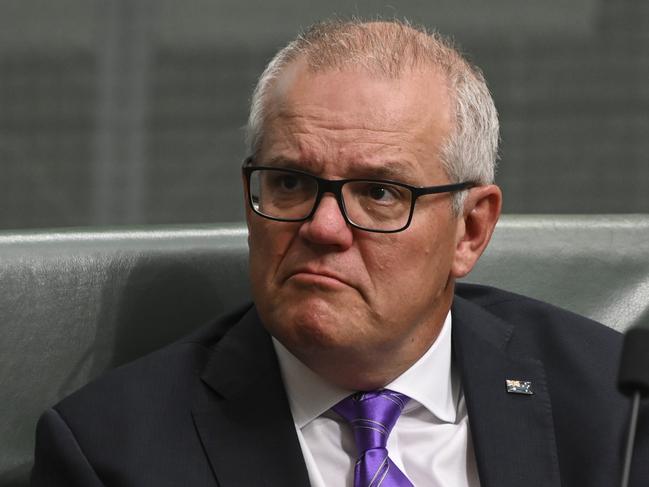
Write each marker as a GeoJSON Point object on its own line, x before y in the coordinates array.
{"type": "Point", "coordinates": [372, 416]}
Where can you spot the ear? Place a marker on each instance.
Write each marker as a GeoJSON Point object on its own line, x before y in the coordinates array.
{"type": "Point", "coordinates": [475, 227]}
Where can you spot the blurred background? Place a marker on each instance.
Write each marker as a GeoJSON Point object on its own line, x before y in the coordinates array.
{"type": "Point", "coordinates": [131, 111]}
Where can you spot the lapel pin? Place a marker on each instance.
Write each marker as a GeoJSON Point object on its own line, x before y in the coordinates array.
{"type": "Point", "coordinates": [519, 387]}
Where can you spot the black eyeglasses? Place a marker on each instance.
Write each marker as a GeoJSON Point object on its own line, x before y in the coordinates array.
{"type": "Point", "coordinates": [373, 205]}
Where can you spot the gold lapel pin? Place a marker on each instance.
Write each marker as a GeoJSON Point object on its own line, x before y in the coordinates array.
{"type": "Point", "coordinates": [519, 386]}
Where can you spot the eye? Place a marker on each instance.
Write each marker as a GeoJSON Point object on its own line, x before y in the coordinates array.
{"type": "Point", "coordinates": [285, 182]}
{"type": "Point", "coordinates": [382, 193]}
{"type": "Point", "coordinates": [288, 181]}
{"type": "Point", "coordinates": [378, 193]}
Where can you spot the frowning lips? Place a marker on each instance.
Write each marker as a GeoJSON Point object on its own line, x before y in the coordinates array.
{"type": "Point", "coordinates": [314, 275]}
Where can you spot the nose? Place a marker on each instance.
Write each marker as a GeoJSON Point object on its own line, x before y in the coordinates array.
{"type": "Point", "coordinates": [327, 226]}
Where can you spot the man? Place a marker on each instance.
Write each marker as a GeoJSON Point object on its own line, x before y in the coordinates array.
{"type": "Point", "coordinates": [369, 191]}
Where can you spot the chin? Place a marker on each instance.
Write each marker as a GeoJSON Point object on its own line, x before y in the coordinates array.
{"type": "Point", "coordinates": [311, 326]}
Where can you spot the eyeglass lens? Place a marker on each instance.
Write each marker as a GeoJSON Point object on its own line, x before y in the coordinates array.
{"type": "Point", "coordinates": [286, 195]}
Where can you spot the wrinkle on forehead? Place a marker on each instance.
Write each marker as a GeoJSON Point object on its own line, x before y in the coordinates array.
{"type": "Point", "coordinates": [319, 151]}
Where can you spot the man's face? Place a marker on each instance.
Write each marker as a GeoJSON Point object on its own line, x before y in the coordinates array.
{"type": "Point", "coordinates": [327, 290]}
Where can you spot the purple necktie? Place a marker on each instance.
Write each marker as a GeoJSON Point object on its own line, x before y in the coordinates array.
{"type": "Point", "coordinates": [372, 416]}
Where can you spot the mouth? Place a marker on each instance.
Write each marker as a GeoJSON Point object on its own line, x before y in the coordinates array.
{"type": "Point", "coordinates": [320, 278]}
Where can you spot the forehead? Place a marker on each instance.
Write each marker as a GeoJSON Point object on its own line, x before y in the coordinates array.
{"type": "Point", "coordinates": [343, 120]}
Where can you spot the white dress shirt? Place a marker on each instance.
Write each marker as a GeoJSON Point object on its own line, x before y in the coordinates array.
{"type": "Point", "coordinates": [430, 442]}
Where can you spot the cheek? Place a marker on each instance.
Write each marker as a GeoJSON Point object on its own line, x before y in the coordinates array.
{"type": "Point", "coordinates": [390, 265]}
{"type": "Point", "coordinates": [407, 269]}
{"type": "Point", "coordinates": [262, 251]}
{"type": "Point", "coordinates": [268, 243]}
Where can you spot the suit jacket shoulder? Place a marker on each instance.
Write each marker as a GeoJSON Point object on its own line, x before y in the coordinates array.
{"type": "Point", "coordinates": [572, 429]}
{"type": "Point", "coordinates": [539, 329]}
{"type": "Point", "coordinates": [187, 414]}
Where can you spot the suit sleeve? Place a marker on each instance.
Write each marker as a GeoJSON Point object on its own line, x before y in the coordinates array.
{"type": "Point", "coordinates": [58, 458]}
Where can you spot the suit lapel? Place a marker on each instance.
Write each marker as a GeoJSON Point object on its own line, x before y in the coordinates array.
{"type": "Point", "coordinates": [513, 434]}
{"type": "Point", "coordinates": [243, 418]}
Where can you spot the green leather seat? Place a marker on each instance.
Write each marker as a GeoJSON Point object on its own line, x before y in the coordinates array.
{"type": "Point", "coordinates": [75, 303]}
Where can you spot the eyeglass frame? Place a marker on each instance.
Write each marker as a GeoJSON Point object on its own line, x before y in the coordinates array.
{"type": "Point", "coordinates": [334, 186]}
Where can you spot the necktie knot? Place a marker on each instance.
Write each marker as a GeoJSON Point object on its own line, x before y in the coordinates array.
{"type": "Point", "coordinates": [372, 415]}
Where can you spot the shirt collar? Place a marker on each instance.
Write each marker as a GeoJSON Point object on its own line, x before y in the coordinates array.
{"type": "Point", "coordinates": [430, 382]}
{"type": "Point", "coordinates": [309, 395]}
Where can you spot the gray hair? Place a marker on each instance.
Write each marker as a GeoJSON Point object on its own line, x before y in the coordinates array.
{"type": "Point", "coordinates": [387, 49]}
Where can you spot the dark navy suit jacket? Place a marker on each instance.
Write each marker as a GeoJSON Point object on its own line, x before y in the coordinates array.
{"type": "Point", "coordinates": [211, 410]}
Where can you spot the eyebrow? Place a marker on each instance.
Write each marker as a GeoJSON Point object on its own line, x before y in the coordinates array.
{"type": "Point", "coordinates": [287, 163]}
{"type": "Point", "coordinates": [390, 170]}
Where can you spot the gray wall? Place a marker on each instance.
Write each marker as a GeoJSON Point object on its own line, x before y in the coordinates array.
{"type": "Point", "coordinates": [130, 111]}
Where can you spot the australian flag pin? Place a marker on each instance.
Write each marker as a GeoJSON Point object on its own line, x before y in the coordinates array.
{"type": "Point", "coordinates": [515, 386]}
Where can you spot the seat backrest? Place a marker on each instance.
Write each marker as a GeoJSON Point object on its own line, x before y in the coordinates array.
{"type": "Point", "coordinates": [597, 266]}
{"type": "Point", "coordinates": [76, 303]}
